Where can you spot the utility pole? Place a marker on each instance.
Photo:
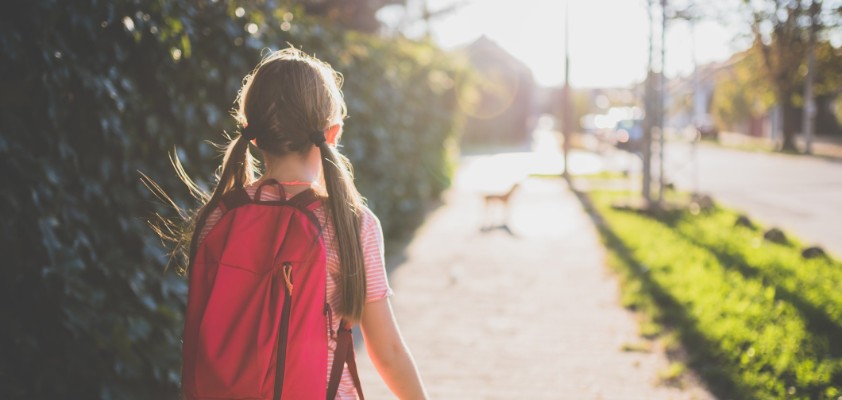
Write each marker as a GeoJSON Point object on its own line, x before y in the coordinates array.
{"type": "Point", "coordinates": [698, 106]}
{"type": "Point", "coordinates": [649, 117]}
{"type": "Point", "coordinates": [662, 110]}
{"type": "Point", "coordinates": [566, 113]}
{"type": "Point", "coordinates": [428, 16]}
{"type": "Point", "coordinates": [425, 14]}
{"type": "Point", "coordinates": [807, 126]}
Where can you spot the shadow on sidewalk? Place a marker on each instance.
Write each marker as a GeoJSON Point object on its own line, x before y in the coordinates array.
{"type": "Point", "coordinates": [703, 354]}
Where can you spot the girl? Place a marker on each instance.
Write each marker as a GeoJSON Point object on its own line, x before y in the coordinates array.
{"type": "Point", "coordinates": [292, 109]}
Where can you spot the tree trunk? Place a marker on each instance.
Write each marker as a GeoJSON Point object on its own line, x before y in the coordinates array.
{"type": "Point", "coordinates": [826, 122]}
{"type": "Point", "coordinates": [788, 121]}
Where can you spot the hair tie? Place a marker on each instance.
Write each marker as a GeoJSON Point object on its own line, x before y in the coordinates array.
{"type": "Point", "coordinates": [248, 133]}
{"type": "Point", "coordinates": [318, 138]}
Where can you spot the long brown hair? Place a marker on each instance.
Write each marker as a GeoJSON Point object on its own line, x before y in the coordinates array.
{"type": "Point", "coordinates": [283, 101]}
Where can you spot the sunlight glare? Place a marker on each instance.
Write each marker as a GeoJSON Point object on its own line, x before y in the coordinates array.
{"type": "Point", "coordinates": [608, 38]}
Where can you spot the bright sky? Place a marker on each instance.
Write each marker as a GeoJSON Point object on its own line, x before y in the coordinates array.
{"type": "Point", "coordinates": [608, 38]}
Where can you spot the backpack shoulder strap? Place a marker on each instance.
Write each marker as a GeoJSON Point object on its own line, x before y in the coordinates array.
{"type": "Point", "coordinates": [307, 200]}
{"type": "Point", "coordinates": [235, 198]}
{"type": "Point", "coordinates": [344, 354]}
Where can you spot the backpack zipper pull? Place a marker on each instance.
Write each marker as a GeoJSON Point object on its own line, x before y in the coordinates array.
{"type": "Point", "coordinates": [287, 269]}
{"type": "Point", "coordinates": [329, 314]}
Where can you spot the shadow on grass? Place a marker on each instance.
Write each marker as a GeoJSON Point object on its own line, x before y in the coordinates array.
{"type": "Point", "coordinates": [815, 318]}
{"type": "Point", "coordinates": [704, 356]}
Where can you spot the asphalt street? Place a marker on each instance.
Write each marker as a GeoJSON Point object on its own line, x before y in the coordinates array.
{"type": "Point", "coordinates": [799, 194]}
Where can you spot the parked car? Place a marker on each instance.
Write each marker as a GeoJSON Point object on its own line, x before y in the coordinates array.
{"type": "Point", "coordinates": [628, 134]}
{"type": "Point", "coordinates": [708, 131]}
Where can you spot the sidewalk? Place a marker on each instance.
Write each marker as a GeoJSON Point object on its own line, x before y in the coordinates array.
{"type": "Point", "coordinates": [531, 315]}
{"type": "Point", "coordinates": [828, 147]}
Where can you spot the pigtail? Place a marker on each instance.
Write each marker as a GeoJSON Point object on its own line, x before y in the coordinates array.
{"type": "Point", "coordinates": [344, 203]}
{"type": "Point", "coordinates": [237, 171]}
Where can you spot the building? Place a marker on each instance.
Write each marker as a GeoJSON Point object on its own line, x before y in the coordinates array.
{"type": "Point", "coordinates": [501, 112]}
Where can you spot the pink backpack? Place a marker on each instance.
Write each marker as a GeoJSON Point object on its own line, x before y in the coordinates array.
{"type": "Point", "coordinates": [257, 321]}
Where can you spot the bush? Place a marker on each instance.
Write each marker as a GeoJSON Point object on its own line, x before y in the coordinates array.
{"type": "Point", "coordinates": [94, 92]}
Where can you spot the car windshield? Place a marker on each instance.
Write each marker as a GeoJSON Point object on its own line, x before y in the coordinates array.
{"type": "Point", "coordinates": [626, 124]}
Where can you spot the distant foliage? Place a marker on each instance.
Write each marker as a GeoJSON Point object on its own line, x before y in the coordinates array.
{"type": "Point", "coordinates": [744, 91]}
{"type": "Point", "coordinates": [741, 92]}
{"type": "Point", "coordinates": [356, 15]}
{"type": "Point", "coordinates": [92, 93]}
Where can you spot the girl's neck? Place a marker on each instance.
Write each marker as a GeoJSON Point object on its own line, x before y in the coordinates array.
{"type": "Point", "coordinates": [296, 171]}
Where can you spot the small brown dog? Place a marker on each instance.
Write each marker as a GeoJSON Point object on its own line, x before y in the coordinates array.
{"type": "Point", "coordinates": [504, 201]}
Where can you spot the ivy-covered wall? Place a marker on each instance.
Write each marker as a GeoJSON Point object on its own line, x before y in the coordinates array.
{"type": "Point", "coordinates": [93, 92]}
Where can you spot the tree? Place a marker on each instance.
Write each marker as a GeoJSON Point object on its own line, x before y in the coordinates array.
{"type": "Point", "coordinates": [742, 95]}
{"type": "Point", "coordinates": [828, 88]}
{"type": "Point", "coordinates": [781, 33]}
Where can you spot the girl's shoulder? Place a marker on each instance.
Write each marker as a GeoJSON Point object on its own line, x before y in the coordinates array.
{"type": "Point", "coordinates": [369, 221]}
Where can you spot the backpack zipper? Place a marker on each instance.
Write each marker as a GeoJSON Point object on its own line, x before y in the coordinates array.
{"type": "Point", "coordinates": [284, 330]}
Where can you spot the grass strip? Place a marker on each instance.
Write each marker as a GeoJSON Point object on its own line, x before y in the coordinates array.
{"type": "Point", "coordinates": [756, 319]}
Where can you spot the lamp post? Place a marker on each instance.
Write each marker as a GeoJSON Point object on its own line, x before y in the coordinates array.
{"type": "Point", "coordinates": [662, 96]}
{"type": "Point", "coordinates": [649, 115]}
{"type": "Point", "coordinates": [808, 120]}
{"type": "Point", "coordinates": [566, 114]}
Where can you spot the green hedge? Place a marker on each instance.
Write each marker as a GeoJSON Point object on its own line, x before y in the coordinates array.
{"type": "Point", "coordinates": [757, 320]}
{"type": "Point", "coordinates": [95, 91]}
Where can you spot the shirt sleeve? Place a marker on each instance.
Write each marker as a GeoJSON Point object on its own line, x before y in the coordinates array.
{"type": "Point", "coordinates": [210, 221]}
{"type": "Point", "coordinates": [371, 235]}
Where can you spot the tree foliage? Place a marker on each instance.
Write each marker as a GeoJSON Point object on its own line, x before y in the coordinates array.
{"type": "Point", "coordinates": [741, 93]}
{"type": "Point", "coordinates": [92, 93]}
{"type": "Point", "coordinates": [781, 31]}
{"type": "Point", "coordinates": [358, 15]}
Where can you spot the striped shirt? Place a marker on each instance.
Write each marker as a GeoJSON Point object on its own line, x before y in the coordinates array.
{"type": "Point", "coordinates": [377, 286]}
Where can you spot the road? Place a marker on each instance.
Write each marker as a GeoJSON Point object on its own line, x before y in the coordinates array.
{"type": "Point", "coordinates": [799, 194]}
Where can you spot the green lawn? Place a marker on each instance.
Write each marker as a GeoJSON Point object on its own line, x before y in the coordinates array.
{"type": "Point", "coordinates": [757, 320]}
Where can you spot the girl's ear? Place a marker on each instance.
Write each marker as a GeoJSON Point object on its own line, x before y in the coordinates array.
{"type": "Point", "coordinates": [333, 133]}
